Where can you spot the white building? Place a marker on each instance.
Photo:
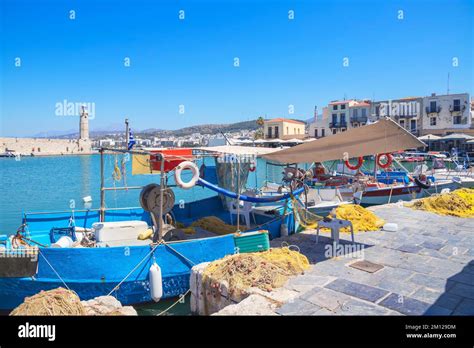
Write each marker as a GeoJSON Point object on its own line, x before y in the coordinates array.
{"type": "Point", "coordinates": [445, 114]}
{"type": "Point", "coordinates": [407, 112]}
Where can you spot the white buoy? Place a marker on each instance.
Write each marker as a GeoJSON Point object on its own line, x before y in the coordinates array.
{"type": "Point", "coordinates": [87, 199]}
{"type": "Point", "coordinates": [156, 282]}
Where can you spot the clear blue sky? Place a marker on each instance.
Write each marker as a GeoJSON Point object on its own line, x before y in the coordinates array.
{"type": "Point", "coordinates": [190, 62]}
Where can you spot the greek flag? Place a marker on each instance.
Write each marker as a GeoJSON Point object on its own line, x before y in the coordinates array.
{"type": "Point", "coordinates": [131, 141]}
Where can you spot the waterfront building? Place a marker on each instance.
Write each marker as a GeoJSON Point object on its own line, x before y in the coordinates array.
{"type": "Point", "coordinates": [407, 112]}
{"type": "Point", "coordinates": [284, 128]}
{"type": "Point", "coordinates": [446, 114]}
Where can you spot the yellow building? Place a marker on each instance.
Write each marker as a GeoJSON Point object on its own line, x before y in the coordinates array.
{"type": "Point", "coordinates": [283, 128]}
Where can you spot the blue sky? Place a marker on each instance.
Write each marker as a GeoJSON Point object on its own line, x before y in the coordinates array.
{"type": "Point", "coordinates": [190, 62]}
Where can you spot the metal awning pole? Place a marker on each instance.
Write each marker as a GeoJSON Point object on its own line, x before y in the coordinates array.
{"type": "Point", "coordinates": [159, 236]}
{"type": "Point", "coordinates": [102, 187]}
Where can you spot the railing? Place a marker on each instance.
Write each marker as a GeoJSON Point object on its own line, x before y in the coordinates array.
{"type": "Point", "coordinates": [457, 108]}
{"type": "Point", "coordinates": [430, 110]}
{"type": "Point", "coordinates": [359, 119]}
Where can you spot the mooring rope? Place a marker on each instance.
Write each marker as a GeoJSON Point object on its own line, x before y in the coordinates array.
{"type": "Point", "coordinates": [175, 303]}
{"type": "Point", "coordinates": [57, 274]}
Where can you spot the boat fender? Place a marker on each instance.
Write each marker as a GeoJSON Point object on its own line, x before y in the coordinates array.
{"type": "Point", "coordinates": [179, 169]}
{"type": "Point", "coordinates": [357, 166]}
{"type": "Point", "coordinates": [156, 283]}
{"type": "Point", "coordinates": [425, 185]}
{"type": "Point", "coordinates": [388, 157]}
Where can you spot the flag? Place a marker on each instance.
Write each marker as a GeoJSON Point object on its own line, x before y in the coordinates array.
{"type": "Point", "coordinates": [131, 141]}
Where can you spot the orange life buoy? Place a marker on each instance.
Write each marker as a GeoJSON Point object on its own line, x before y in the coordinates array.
{"type": "Point", "coordinates": [357, 166]}
{"type": "Point", "coordinates": [389, 160]}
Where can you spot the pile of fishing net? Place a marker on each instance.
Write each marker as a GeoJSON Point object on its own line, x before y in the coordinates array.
{"type": "Point", "coordinates": [264, 270]}
{"type": "Point", "coordinates": [216, 225]}
{"type": "Point", "coordinates": [458, 203]}
{"type": "Point", "coordinates": [52, 302]}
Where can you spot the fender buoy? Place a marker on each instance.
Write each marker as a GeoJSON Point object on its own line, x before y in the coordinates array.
{"type": "Point", "coordinates": [252, 167]}
{"type": "Point", "coordinates": [389, 158]}
{"type": "Point", "coordinates": [156, 282]}
{"type": "Point", "coordinates": [425, 185]}
{"type": "Point", "coordinates": [357, 166]}
{"type": "Point", "coordinates": [186, 165]}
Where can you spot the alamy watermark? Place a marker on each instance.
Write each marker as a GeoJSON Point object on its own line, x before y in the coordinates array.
{"type": "Point", "coordinates": [68, 108]}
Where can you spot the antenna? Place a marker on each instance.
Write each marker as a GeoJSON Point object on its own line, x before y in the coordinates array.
{"type": "Point", "coordinates": [448, 83]}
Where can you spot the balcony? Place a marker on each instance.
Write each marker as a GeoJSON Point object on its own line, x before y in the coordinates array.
{"type": "Point", "coordinates": [457, 108]}
{"type": "Point", "coordinates": [359, 119]}
{"type": "Point", "coordinates": [338, 125]}
{"type": "Point", "coordinates": [430, 110]}
{"type": "Point", "coordinates": [398, 117]}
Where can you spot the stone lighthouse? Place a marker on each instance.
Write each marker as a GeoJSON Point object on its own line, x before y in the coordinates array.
{"type": "Point", "coordinates": [84, 124]}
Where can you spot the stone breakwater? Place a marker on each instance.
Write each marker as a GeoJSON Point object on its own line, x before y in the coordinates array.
{"type": "Point", "coordinates": [425, 268]}
{"type": "Point", "coordinates": [45, 147]}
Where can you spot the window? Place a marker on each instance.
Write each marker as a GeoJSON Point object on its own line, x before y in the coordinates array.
{"type": "Point", "coordinates": [432, 121]}
{"type": "Point", "coordinates": [294, 130]}
{"type": "Point", "coordinates": [334, 107]}
{"type": "Point", "coordinates": [343, 118]}
{"type": "Point", "coordinates": [364, 112]}
{"type": "Point", "coordinates": [402, 123]}
{"type": "Point", "coordinates": [354, 113]}
{"type": "Point", "coordinates": [377, 110]}
{"type": "Point", "coordinates": [315, 132]}
{"type": "Point", "coordinates": [323, 131]}
{"type": "Point", "coordinates": [413, 125]}
{"type": "Point", "coordinates": [269, 132]}
{"type": "Point", "coordinates": [334, 119]}
{"type": "Point", "coordinates": [39, 149]}
{"type": "Point", "coordinates": [457, 120]}
{"type": "Point", "coordinates": [457, 105]}
{"type": "Point", "coordinates": [334, 131]}
{"type": "Point", "coordinates": [277, 132]}
{"type": "Point", "coordinates": [287, 130]}
{"type": "Point", "coordinates": [343, 106]}
{"type": "Point", "coordinates": [433, 106]}
{"type": "Point", "coordinates": [299, 131]}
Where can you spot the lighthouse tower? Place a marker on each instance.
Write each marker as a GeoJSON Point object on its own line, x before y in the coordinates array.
{"type": "Point", "coordinates": [84, 124]}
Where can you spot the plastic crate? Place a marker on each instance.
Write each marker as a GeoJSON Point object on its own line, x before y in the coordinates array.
{"type": "Point", "coordinates": [250, 242]}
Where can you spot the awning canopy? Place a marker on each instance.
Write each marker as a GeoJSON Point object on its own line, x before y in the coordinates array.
{"type": "Point", "coordinates": [383, 136]}
{"type": "Point", "coordinates": [457, 136]}
{"type": "Point", "coordinates": [429, 137]}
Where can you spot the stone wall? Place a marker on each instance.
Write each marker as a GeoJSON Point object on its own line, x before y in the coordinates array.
{"type": "Point", "coordinates": [44, 147]}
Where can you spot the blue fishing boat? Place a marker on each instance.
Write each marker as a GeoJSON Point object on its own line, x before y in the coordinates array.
{"type": "Point", "coordinates": [93, 253]}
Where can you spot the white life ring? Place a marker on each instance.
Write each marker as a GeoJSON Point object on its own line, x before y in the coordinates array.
{"type": "Point", "coordinates": [180, 168]}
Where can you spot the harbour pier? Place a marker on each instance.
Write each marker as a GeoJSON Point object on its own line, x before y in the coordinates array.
{"type": "Point", "coordinates": [426, 267]}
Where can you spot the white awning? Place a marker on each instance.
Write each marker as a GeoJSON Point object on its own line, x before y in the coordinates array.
{"type": "Point", "coordinates": [238, 150]}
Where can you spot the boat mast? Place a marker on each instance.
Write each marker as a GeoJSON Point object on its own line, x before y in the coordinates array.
{"type": "Point", "coordinates": [159, 236]}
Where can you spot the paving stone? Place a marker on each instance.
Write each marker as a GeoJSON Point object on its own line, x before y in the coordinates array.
{"type": "Point", "coordinates": [298, 307]}
{"type": "Point", "coordinates": [437, 310]}
{"type": "Point", "coordinates": [409, 248]}
{"type": "Point", "coordinates": [306, 282]}
{"type": "Point", "coordinates": [451, 249]}
{"type": "Point", "coordinates": [449, 301]}
{"type": "Point", "coordinates": [433, 253]}
{"type": "Point", "coordinates": [365, 292]}
{"type": "Point", "coordinates": [436, 245]}
{"type": "Point", "coordinates": [357, 307]}
{"type": "Point", "coordinates": [397, 286]}
{"type": "Point", "coordinates": [405, 305]}
{"type": "Point", "coordinates": [326, 298]}
{"type": "Point", "coordinates": [465, 278]}
{"type": "Point", "coordinates": [463, 290]}
{"type": "Point", "coordinates": [426, 295]}
{"type": "Point", "coordinates": [428, 281]}
{"type": "Point", "coordinates": [466, 307]}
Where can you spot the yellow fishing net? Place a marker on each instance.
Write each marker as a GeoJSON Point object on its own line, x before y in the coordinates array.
{"type": "Point", "coordinates": [305, 218]}
{"type": "Point", "coordinates": [216, 225]}
{"type": "Point", "coordinates": [458, 203]}
{"type": "Point", "coordinates": [264, 270]}
{"type": "Point", "coordinates": [362, 219]}
{"type": "Point", "coordinates": [52, 302]}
